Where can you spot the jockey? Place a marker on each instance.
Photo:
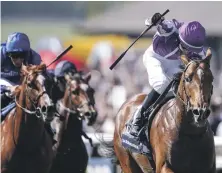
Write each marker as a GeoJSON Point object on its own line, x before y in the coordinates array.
{"type": "Point", "coordinates": [162, 59]}
{"type": "Point", "coordinates": [62, 68]}
{"type": "Point", "coordinates": [15, 52]}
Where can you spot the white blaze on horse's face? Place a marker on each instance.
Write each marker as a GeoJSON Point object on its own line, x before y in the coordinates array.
{"type": "Point", "coordinates": [200, 73]}
{"type": "Point", "coordinates": [197, 89]}
{"type": "Point", "coordinates": [45, 102]}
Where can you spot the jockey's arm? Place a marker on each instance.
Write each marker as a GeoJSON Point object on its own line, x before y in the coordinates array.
{"type": "Point", "coordinates": [168, 27]}
{"type": "Point", "coordinates": [9, 73]}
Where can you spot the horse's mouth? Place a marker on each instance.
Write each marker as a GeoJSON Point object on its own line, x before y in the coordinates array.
{"type": "Point", "coordinates": [197, 118]}
{"type": "Point", "coordinates": [199, 124]}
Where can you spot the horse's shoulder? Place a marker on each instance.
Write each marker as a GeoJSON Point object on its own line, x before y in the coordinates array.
{"type": "Point", "coordinates": [8, 118]}
{"type": "Point", "coordinates": [137, 99]}
{"type": "Point", "coordinates": [134, 100]}
{"type": "Point", "coordinates": [169, 104]}
{"type": "Point", "coordinates": [166, 113]}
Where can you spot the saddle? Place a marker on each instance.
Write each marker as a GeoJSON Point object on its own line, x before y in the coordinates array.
{"type": "Point", "coordinates": [142, 144]}
{"type": "Point", "coordinates": [5, 110]}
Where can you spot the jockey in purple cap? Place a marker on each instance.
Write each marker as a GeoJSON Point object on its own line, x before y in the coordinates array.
{"type": "Point", "coordinates": [162, 59]}
{"type": "Point", "coordinates": [15, 52]}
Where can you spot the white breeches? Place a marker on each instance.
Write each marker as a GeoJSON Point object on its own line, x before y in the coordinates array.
{"type": "Point", "coordinates": [5, 82]}
{"type": "Point", "coordinates": [160, 71]}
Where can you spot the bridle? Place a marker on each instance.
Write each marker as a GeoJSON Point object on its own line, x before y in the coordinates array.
{"type": "Point", "coordinates": [187, 103]}
{"type": "Point", "coordinates": [37, 110]}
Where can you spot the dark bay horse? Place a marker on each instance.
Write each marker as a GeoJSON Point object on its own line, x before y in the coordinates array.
{"type": "Point", "coordinates": [76, 105]}
{"type": "Point", "coordinates": [26, 147]}
{"type": "Point", "coordinates": [180, 136]}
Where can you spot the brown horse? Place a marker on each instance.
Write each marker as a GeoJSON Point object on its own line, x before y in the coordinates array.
{"type": "Point", "coordinates": [71, 153]}
{"type": "Point", "coordinates": [180, 136]}
{"type": "Point", "coordinates": [26, 147]}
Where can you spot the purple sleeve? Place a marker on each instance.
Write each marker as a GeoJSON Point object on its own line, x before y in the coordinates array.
{"type": "Point", "coordinates": [177, 23]}
{"type": "Point", "coordinates": [168, 27]}
{"type": "Point", "coordinates": [165, 41]}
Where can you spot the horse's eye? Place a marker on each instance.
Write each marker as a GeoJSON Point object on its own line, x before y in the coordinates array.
{"type": "Point", "coordinates": [188, 79]}
{"type": "Point", "coordinates": [76, 92]}
{"type": "Point", "coordinates": [30, 84]}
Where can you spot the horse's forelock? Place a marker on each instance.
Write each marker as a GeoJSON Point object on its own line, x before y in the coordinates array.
{"type": "Point", "coordinates": [36, 68]}
{"type": "Point", "coordinates": [42, 67]}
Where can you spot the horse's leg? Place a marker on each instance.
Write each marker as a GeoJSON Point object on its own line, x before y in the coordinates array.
{"type": "Point", "coordinates": [142, 162]}
{"type": "Point", "coordinates": [160, 159]}
{"type": "Point", "coordinates": [165, 169]}
{"type": "Point", "coordinates": [127, 162]}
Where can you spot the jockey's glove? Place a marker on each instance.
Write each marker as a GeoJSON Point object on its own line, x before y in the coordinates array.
{"type": "Point", "coordinates": [156, 19]}
{"type": "Point", "coordinates": [11, 90]}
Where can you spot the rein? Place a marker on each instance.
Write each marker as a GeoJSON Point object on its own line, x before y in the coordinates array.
{"type": "Point", "coordinates": [37, 111]}
{"type": "Point", "coordinates": [187, 103]}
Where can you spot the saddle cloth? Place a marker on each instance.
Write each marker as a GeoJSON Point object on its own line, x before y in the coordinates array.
{"type": "Point", "coordinates": [6, 110]}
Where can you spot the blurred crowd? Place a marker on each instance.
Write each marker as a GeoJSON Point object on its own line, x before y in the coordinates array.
{"type": "Point", "coordinates": [114, 87]}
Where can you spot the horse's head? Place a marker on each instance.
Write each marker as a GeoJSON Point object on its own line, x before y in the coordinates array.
{"type": "Point", "coordinates": [90, 92]}
{"type": "Point", "coordinates": [196, 87]}
{"type": "Point", "coordinates": [36, 83]}
{"type": "Point", "coordinates": [80, 96]}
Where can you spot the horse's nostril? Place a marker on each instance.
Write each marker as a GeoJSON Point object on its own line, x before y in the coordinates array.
{"type": "Point", "coordinates": [207, 113]}
{"type": "Point", "coordinates": [195, 112]}
{"type": "Point", "coordinates": [87, 114]}
{"type": "Point", "coordinates": [44, 109]}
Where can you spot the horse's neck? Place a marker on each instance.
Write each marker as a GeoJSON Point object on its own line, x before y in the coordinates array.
{"type": "Point", "coordinates": [73, 132]}
{"type": "Point", "coordinates": [27, 126]}
{"type": "Point", "coordinates": [65, 99]}
{"type": "Point", "coordinates": [183, 119]}
{"type": "Point", "coordinates": [72, 125]}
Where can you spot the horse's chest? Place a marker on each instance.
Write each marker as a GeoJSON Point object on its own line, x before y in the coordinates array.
{"type": "Point", "coordinates": [192, 155]}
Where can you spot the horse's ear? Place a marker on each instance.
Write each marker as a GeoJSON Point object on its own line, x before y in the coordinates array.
{"type": "Point", "coordinates": [24, 70]}
{"type": "Point", "coordinates": [67, 77]}
{"type": "Point", "coordinates": [184, 59]}
{"type": "Point", "coordinates": [208, 56]}
{"type": "Point", "coordinates": [41, 67]}
{"type": "Point", "coordinates": [17, 90]}
{"type": "Point", "coordinates": [87, 77]}
{"type": "Point", "coordinates": [208, 53]}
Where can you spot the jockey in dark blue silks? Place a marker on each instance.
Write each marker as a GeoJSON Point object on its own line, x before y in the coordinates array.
{"type": "Point", "coordinates": [62, 68]}
{"type": "Point", "coordinates": [15, 52]}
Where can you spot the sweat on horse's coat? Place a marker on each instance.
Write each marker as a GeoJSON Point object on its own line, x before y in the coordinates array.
{"type": "Point", "coordinates": [179, 143]}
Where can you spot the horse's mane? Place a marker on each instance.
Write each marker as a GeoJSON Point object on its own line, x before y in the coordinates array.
{"type": "Point", "coordinates": [27, 69]}
{"type": "Point", "coordinates": [36, 68]}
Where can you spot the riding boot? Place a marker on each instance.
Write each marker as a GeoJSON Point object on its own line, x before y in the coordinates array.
{"type": "Point", "coordinates": [139, 117]}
